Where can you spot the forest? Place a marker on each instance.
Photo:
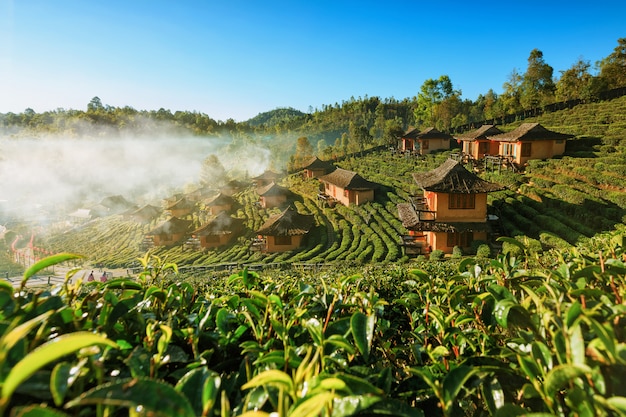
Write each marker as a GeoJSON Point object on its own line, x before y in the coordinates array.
{"type": "Point", "coordinates": [348, 324]}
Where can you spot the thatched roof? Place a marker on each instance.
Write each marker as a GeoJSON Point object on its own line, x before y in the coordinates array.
{"type": "Point", "coordinates": [428, 133]}
{"type": "Point", "coordinates": [181, 204]}
{"type": "Point", "coordinates": [147, 212]}
{"type": "Point", "coordinates": [316, 163]}
{"type": "Point", "coordinates": [530, 132]}
{"type": "Point", "coordinates": [221, 200]}
{"type": "Point", "coordinates": [410, 220]}
{"type": "Point", "coordinates": [222, 224]}
{"type": "Point", "coordinates": [452, 177]}
{"type": "Point", "coordinates": [171, 226]}
{"type": "Point", "coordinates": [116, 203]}
{"type": "Point", "coordinates": [268, 175]}
{"type": "Point", "coordinates": [347, 180]}
{"type": "Point", "coordinates": [287, 223]}
{"type": "Point", "coordinates": [481, 133]}
{"type": "Point", "coordinates": [272, 189]}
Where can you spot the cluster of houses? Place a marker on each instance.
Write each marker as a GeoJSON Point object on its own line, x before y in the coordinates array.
{"type": "Point", "coordinates": [450, 212]}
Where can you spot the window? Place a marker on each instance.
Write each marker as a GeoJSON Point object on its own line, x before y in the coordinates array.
{"type": "Point", "coordinates": [282, 240]}
{"type": "Point", "coordinates": [462, 240]}
{"type": "Point", "coordinates": [461, 201]}
{"type": "Point", "coordinates": [526, 148]}
{"type": "Point", "coordinates": [424, 144]}
{"type": "Point", "coordinates": [483, 147]}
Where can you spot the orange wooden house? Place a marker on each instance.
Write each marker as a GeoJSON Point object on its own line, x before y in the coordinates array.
{"type": "Point", "coordinates": [348, 187]}
{"type": "Point", "coordinates": [273, 195]}
{"type": "Point", "coordinates": [477, 144]}
{"type": "Point", "coordinates": [171, 231]}
{"type": "Point", "coordinates": [219, 231]}
{"type": "Point", "coordinates": [530, 141]}
{"type": "Point", "coordinates": [144, 214]}
{"type": "Point", "coordinates": [425, 141]}
{"type": "Point", "coordinates": [453, 209]}
{"type": "Point", "coordinates": [284, 231]}
{"type": "Point", "coordinates": [315, 167]}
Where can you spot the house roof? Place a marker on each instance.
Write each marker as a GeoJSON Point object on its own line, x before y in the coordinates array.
{"type": "Point", "coordinates": [146, 212]}
{"type": "Point", "coordinates": [347, 180]}
{"type": "Point", "coordinates": [529, 132]}
{"type": "Point", "coordinates": [410, 220]}
{"type": "Point", "coordinates": [222, 224]}
{"type": "Point", "coordinates": [267, 175]}
{"type": "Point", "coordinates": [316, 163]}
{"type": "Point", "coordinates": [116, 202]}
{"type": "Point", "coordinates": [287, 223]}
{"type": "Point", "coordinates": [221, 200]}
{"type": "Point", "coordinates": [428, 133]}
{"type": "Point", "coordinates": [452, 177]}
{"type": "Point", "coordinates": [272, 189]}
{"type": "Point", "coordinates": [171, 226]}
{"type": "Point", "coordinates": [481, 133]}
{"type": "Point", "coordinates": [183, 203]}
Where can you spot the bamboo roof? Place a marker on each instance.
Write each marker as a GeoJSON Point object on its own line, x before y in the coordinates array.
{"type": "Point", "coordinates": [183, 203]}
{"type": "Point", "coordinates": [347, 180]}
{"type": "Point", "coordinates": [268, 175]}
{"type": "Point", "coordinates": [171, 226]}
{"type": "Point", "coordinates": [272, 189]}
{"type": "Point", "coordinates": [452, 177]}
{"type": "Point", "coordinates": [529, 132]}
{"type": "Point", "coordinates": [287, 223]}
{"type": "Point", "coordinates": [147, 212]}
{"type": "Point", "coordinates": [116, 202]}
{"type": "Point", "coordinates": [316, 163]}
{"type": "Point", "coordinates": [428, 133]}
{"type": "Point", "coordinates": [221, 200]}
{"type": "Point", "coordinates": [481, 133]}
{"type": "Point", "coordinates": [222, 224]}
{"type": "Point", "coordinates": [410, 220]}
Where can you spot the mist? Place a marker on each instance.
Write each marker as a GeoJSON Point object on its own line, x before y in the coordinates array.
{"type": "Point", "coordinates": [72, 172]}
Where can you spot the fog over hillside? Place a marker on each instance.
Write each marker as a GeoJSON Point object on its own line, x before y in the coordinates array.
{"type": "Point", "coordinates": [75, 172]}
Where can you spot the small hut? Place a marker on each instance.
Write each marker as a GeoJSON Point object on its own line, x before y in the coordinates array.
{"type": "Point", "coordinates": [181, 207]}
{"type": "Point", "coordinates": [219, 231]}
{"type": "Point", "coordinates": [266, 178]}
{"type": "Point", "coordinates": [232, 187]}
{"type": "Point", "coordinates": [285, 231]}
{"type": "Point", "coordinates": [315, 167]}
{"type": "Point", "coordinates": [116, 204]}
{"type": "Point", "coordinates": [425, 141]}
{"type": "Point", "coordinates": [476, 143]}
{"type": "Point", "coordinates": [348, 187]}
{"type": "Point", "coordinates": [530, 141]}
{"type": "Point", "coordinates": [220, 203]}
{"type": "Point", "coordinates": [273, 195]}
{"type": "Point", "coordinates": [169, 232]}
{"type": "Point", "coordinates": [144, 214]}
{"type": "Point", "coordinates": [453, 209]}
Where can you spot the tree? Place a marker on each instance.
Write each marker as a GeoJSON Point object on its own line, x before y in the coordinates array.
{"type": "Point", "coordinates": [537, 87]}
{"type": "Point", "coordinates": [304, 151]}
{"type": "Point", "coordinates": [436, 103]}
{"type": "Point", "coordinates": [510, 97]}
{"type": "Point", "coordinates": [613, 67]}
{"type": "Point", "coordinates": [212, 171]}
{"type": "Point", "coordinates": [576, 82]}
{"type": "Point", "coordinates": [393, 130]}
{"type": "Point", "coordinates": [95, 104]}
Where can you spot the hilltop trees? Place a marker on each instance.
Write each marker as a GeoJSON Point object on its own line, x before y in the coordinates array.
{"type": "Point", "coordinates": [436, 103]}
{"type": "Point", "coordinates": [613, 67]}
{"type": "Point", "coordinates": [537, 87]}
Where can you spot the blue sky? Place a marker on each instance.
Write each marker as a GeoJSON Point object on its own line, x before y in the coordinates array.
{"type": "Point", "coordinates": [235, 59]}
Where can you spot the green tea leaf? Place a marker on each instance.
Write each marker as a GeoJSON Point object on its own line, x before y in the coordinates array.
{"type": "Point", "coordinates": [37, 411]}
{"type": "Point", "coordinates": [560, 376]}
{"type": "Point", "coordinates": [48, 353]}
{"type": "Point", "coordinates": [362, 327]}
{"type": "Point", "coordinates": [143, 395]}
{"type": "Point", "coordinates": [273, 377]}
{"type": "Point", "coordinates": [59, 382]}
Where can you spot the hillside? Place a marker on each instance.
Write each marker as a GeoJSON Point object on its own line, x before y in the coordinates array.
{"type": "Point", "coordinates": [556, 204]}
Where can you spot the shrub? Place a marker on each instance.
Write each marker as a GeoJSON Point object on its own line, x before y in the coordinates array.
{"type": "Point", "coordinates": [457, 252]}
{"type": "Point", "coordinates": [437, 255]}
{"type": "Point", "coordinates": [483, 251]}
